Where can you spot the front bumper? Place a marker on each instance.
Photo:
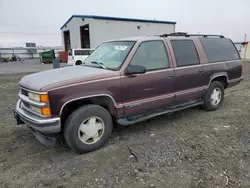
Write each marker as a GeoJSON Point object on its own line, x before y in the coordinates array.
{"type": "Point", "coordinates": [40, 124]}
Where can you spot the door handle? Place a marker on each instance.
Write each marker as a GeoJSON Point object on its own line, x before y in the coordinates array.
{"type": "Point", "coordinates": [201, 71]}
{"type": "Point", "coordinates": [171, 76]}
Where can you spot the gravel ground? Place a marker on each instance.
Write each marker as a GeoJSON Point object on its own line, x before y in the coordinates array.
{"type": "Point", "coordinates": [191, 148]}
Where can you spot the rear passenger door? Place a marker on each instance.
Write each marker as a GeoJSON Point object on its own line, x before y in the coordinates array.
{"type": "Point", "coordinates": [189, 73]}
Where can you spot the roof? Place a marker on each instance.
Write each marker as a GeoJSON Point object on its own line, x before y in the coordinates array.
{"type": "Point", "coordinates": [133, 38]}
{"type": "Point", "coordinates": [117, 19]}
{"type": "Point", "coordinates": [177, 35]}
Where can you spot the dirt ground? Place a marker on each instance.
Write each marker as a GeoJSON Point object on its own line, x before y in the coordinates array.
{"type": "Point", "coordinates": [191, 148]}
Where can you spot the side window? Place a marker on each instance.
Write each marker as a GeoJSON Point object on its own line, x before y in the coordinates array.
{"type": "Point", "coordinates": [185, 52]}
{"type": "Point", "coordinates": [84, 52]}
{"type": "Point", "coordinates": [152, 55]}
{"type": "Point", "coordinates": [77, 52]}
{"type": "Point", "coordinates": [81, 52]}
{"type": "Point", "coordinates": [219, 49]}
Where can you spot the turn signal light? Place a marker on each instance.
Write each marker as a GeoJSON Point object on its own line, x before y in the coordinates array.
{"type": "Point", "coordinates": [46, 111]}
{"type": "Point", "coordinates": [44, 98]}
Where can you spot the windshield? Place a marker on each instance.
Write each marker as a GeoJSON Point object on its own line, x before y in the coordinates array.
{"type": "Point", "coordinates": [111, 55]}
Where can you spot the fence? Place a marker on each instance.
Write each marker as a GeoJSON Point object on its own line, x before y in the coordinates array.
{"type": "Point", "coordinates": [25, 53]}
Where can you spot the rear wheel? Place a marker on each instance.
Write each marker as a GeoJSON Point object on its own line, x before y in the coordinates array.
{"type": "Point", "coordinates": [78, 62]}
{"type": "Point", "coordinates": [214, 96]}
{"type": "Point", "coordinates": [88, 128]}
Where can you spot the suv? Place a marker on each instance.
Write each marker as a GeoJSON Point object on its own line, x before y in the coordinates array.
{"type": "Point", "coordinates": [127, 81]}
{"type": "Point", "coordinates": [77, 56]}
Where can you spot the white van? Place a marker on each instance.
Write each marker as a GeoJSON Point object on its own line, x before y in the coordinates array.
{"type": "Point", "coordinates": [77, 56]}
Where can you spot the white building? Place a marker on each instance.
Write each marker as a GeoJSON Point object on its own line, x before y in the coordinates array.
{"type": "Point", "coordinates": [88, 31]}
{"type": "Point", "coordinates": [244, 49]}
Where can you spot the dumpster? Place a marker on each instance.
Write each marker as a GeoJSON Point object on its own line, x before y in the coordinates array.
{"type": "Point", "coordinates": [47, 56]}
{"type": "Point", "coordinates": [63, 56]}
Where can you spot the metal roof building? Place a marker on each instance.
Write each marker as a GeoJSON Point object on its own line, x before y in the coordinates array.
{"type": "Point", "coordinates": [88, 31]}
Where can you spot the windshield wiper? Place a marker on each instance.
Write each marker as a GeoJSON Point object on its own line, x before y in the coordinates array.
{"type": "Point", "coordinates": [98, 63]}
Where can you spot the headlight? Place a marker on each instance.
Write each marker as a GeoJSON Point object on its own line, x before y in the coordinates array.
{"type": "Point", "coordinates": [34, 97]}
{"type": "Point", "coordinates": [35, 109]}
{"type": "Point", "coordinates": [39, 97]}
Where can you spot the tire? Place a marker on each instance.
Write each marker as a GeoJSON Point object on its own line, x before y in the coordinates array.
{"type": "Point", "coordinates": [73, 132]}
{"type": "Point", "coordinates": [78, 62]}
{"type": "Point", "coordinates": [209, 103]}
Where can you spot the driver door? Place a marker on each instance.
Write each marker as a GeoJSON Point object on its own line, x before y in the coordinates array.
{"type": "Point", "coordinates": [153, 90]}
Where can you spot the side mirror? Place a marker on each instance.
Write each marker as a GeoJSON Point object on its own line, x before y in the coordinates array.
{"type": "Point", "coordinates": [135, 69]}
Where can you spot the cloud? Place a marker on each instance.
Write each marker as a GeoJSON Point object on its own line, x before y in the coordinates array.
{"type": "Point", "coordinates": [227, 17]}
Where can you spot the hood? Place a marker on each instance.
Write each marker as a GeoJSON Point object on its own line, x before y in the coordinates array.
{"type": "Point", "coordinates": [62, 76]}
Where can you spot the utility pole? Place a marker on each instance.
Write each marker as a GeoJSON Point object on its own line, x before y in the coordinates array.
{"type": "Point", "coordinates": [245, 37]}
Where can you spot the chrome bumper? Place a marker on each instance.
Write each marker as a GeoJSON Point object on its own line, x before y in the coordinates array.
{"type": "Point", "coordinates": [43, 125]}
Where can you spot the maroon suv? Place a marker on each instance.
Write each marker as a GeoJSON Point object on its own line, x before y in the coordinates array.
{"type": "Point", "coordinates": [127, 81]}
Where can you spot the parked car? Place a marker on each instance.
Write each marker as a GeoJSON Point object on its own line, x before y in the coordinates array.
{"type": "Point", "coordinates": [77, 56]}
{"type": "Point", "coordinates": [127, 81]}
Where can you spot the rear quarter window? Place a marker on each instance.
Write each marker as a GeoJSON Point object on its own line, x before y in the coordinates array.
{"type": "Point", "coordinates": [219, 49]}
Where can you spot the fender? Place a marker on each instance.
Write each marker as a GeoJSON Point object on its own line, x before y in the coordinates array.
{"type": "Point", "coordinates": [89, 96]}
{"type": "Point", "coordinates": [216, 75]}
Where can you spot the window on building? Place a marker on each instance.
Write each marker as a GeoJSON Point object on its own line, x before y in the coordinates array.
{"type": "Point", "coordinates": [185, 52]}
{"type": "Point", "coordinates": [219, 49]}
{"type": "Point", "coordinates": [152, 55]}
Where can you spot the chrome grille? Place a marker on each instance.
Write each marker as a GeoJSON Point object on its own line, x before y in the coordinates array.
{"type": "Point", "coordinates": [24, 92]}
{"type": "Point", "coordinates": [27, 105]}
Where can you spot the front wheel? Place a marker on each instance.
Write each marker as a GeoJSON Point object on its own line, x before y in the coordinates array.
{"type": "Point", "coordinates": [88, 128]}
{"type": "Point", "coordinates": [78, 62]}
{"type": "Point", "coordinates": [214, 96]}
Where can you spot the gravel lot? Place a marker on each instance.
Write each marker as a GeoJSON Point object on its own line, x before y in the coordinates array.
{"type": "Point", "coordinates": [191, 148]}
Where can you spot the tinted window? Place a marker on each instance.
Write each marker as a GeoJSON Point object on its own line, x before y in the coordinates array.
{"type": "Point", "coordinates": [219, 49]}
{"type": "Point", "coordinates": [82, 52]}
{"type": "Point", "coordinates": [185, 52]}
{"type": "Point", "coordinates": [152, 55]}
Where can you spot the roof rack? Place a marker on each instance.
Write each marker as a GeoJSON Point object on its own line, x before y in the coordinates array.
{"type": "Point", "coordinates": [180, 34]}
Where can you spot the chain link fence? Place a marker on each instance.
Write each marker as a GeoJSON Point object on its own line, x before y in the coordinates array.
{"type": "Point", "coordinates": [25, 53]}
